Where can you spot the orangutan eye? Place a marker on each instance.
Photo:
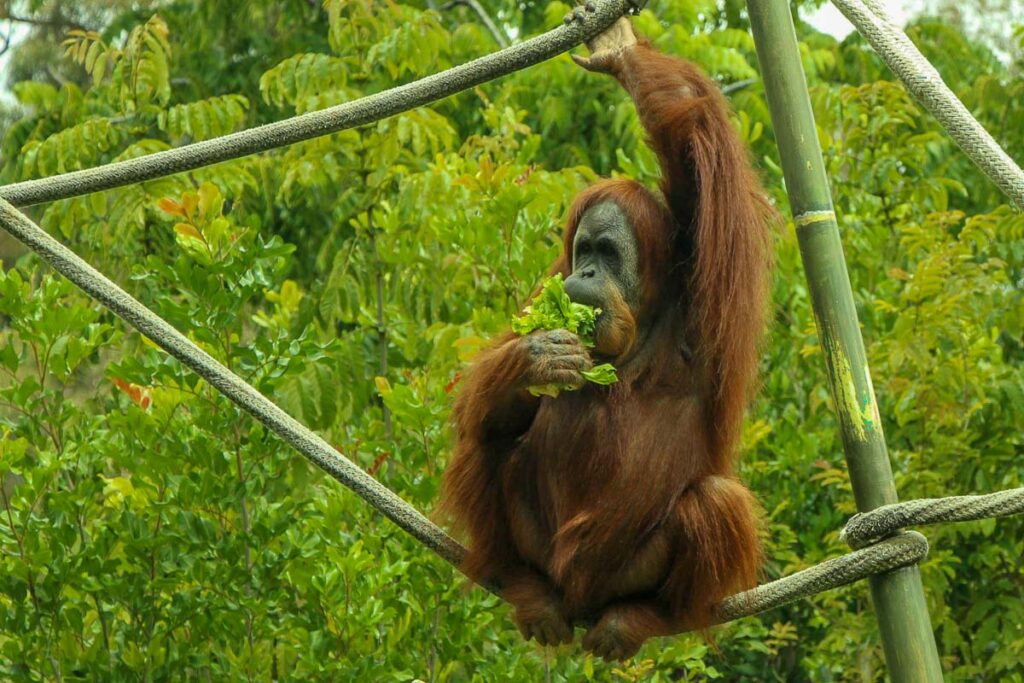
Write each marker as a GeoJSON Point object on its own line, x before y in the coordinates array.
{"type": "Point", "coordinates": [609, 253]}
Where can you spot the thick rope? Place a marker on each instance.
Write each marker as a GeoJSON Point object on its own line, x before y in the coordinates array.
{"type": "Point", "coordinates": [901, 550]}
{"type": "Point", "coordinates": [331, 120]}
{"type": "Point", "coordinates": [922, 81]}
{"type": "Point", "coordinates": [866, 527]}
{"type": "Point", "coordinates": [314, 448]}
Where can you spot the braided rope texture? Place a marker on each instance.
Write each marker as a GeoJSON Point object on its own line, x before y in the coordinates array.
{"type": "Point", "coordinates": [317, 123]}
{"type": "Point", "coordinates": [902, 550]}
{"type": "Point", "coordinates": [866, 527]}
{"type": "Point", "coordinates": [926, 85]}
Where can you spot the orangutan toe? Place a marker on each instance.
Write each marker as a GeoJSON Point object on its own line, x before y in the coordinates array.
{"type": "Point", "coordinates": [548, 626]}
{"type": "Point", "coordinates": [609, 641]}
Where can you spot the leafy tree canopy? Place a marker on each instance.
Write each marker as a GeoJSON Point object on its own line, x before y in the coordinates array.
{"type": "Point", "coordinates": [151, 531]}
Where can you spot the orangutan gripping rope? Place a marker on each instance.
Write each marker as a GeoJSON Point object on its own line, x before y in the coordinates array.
{"type": "Point", "coordinates": [617, 507]}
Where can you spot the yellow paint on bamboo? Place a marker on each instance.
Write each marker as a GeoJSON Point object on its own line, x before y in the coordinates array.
{"type": "Point", "coordinates": [862, 416]}
{"type": "Point", "coordinates": [810, 217]}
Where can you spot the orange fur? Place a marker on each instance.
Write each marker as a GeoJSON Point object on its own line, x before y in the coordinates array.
{"type": "Point", "coordinates": [617, 506]}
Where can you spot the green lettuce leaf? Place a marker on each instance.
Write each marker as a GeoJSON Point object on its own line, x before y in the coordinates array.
{"type": "Point", "coordinates": [601, 374]}
{"type": "Point", "coordinates": [552, 310]}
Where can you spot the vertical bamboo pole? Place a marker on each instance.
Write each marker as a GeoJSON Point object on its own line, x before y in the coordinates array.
{"type": "Point", "coordinates": [898, 596]}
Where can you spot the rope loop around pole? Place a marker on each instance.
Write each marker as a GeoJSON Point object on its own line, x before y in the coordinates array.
{"type": "Point", "coordinates": [865, 527]}
{"type": "Point", "coordinates": [879, 546]}
{"type": "Point", "coordinates": [904, 549]}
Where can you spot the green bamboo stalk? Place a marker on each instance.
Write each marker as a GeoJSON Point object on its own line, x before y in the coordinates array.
{"type": "Point", "coordinates": [898, 596]}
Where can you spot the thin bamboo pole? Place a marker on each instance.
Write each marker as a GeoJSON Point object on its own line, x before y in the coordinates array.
{"type": "Point", "coordinates": [898, 596]}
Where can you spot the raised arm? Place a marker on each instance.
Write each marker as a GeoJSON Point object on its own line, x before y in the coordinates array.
{"type": "Point", "coordinates": [716, 199]}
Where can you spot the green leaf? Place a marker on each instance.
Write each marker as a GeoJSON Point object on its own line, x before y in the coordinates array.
{"type": "Point", "coordinates": [553, 310]}
{"type": "Point", "coordinates": [601, 374]}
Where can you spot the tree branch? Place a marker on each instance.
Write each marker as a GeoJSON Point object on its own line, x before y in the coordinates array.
{"type": "Point", "coordinates": [59, 22]}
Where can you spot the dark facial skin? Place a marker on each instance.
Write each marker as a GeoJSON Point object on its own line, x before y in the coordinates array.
{"type": "Point", "coordinates": [604, 258]}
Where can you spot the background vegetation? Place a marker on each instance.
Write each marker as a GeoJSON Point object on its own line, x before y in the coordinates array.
{"type": "Point", "coordinates": [149, 531]}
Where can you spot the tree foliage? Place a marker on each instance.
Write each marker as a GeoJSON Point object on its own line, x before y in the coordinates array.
{"type": "Point", "coordinates": [149, 530]}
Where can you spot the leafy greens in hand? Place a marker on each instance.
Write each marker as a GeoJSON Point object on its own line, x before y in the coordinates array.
{"type": "Point", "coordinates": [552, 310]}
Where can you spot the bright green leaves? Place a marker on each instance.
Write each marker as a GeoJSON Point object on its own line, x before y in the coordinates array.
{"type": "Point", "coordinates": [49, 325]}
{"type": "Point", "coordinates": [415, 405]}
{"type": "Point", "coordinates": [286, 304]}
{"type": "Point", "coordinates": [204, 234]}
{"type": "Point", "coordinates": [79, 146]}
{"type": "Point", "coordinates": [402, 42]}
{"type": "Point", "coordinates": [309, 391]}
{"type": "Point", "coordinates": [204, 119]}
{"type": "Point", "coordinates": [601, 374]}
{"type": "Point", "coordinates": [413, 47]}
{"type": "Point", "coordinates": [140, 70]}
{"type": "Point", "coordinates": [12, 451]}
{"type": "Point", "coordinates": [36, 95]}
{"type": "Point", "coordinates": [146, 78]}
{"type": "Point", "coordinates": [89, 49]}
{"type": "Point", "coordinates": [551, 309]}
{"type": "Point", "coordinates": [123, 115]}
{"type": "Point", "coordinates": [423, 133]}
{"type": "Point", "coordinates": [307, 81]}
{"type": "Point", "coordinates": [727, 55]}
